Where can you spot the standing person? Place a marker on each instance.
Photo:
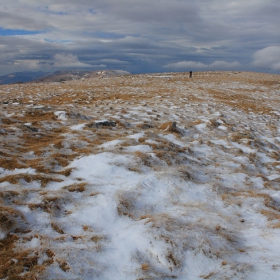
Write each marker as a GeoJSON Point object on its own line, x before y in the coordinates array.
{"type": "Point", "coordinates": [190, 74]}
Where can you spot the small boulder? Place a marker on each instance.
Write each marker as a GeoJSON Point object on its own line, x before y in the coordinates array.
{"type": "Point", "coordinates": [145, 125]}
{"type": "Point", "coordinates": [169, 126]}
{"type": "Point", "coordinates": [100, 124]}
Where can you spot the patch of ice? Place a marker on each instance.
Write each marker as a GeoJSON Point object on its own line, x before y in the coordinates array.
{"type": "Point", "coordinates": [149, 141]}
{"type": "Point", "coordinates": [217, 114]}
{"type": "Point", "coordinates": [172, 138]}
{"type": "Point", "coordinates": [78, 126]}
{"type": "Point", "coordinates": [33, 243]}
{"type": "Point", "coordinates": [2, 234]}
{"type": "Point", "coordinates": [220, 142]}
{"type": "Point", "coordinates": [110, 144]}
{"type": "Point", "coordinates": [257, 182]}
{"type": "Point", "coordinates": [38, 107]}
{"type": "Point", "coordinates": [61, 115]}
{"type": "Point", "coordinates": [264, 158]}
{"type": "Point", "coordinates": [5, 172]}
{"type": "Point", "coordinates": [273, 177]}
{"type": "Point", "coordinates": [140, 148]}
{"type": "Point", "coordinates": [201, 126]}
{"type": "Point", "coordinates": [222, 127]}
{"type": "Point", "coordinates": [244, 149]}
{"type": "Point", "coordinates": [136, 136]}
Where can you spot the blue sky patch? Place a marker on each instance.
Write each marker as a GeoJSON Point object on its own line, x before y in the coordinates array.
{"type": "Point", "coordinates": [105, 35]}
{"type": "Point", "coordinates": [57, 41]}
{"type": "Point", "coordinates": [15, 32]}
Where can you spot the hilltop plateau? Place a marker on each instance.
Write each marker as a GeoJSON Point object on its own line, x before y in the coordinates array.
{"type": "Point", "coordinates": [58, 76]}
{"type": "Point", "coordinates": [153, 176]}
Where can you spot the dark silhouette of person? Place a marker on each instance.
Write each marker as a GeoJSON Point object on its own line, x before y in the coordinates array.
{"type": "Point", "coordinates": [190, 74]}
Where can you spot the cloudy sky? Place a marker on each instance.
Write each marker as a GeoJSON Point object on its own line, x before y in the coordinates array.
{"type": "Point", "coordinates": [140, 35]}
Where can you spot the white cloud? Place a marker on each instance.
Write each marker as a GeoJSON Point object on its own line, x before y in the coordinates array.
{"type": "Point", "coordinates": [114, 61]}
{"type": "Point", "coordinates": [224, 65]}
{"type": "Point", "coordinates": [63, 60]}
{"type": "Point", "coordinates": [217, 65]}
{"type": "Point", "coordinates": [100, 66]}
{"type": "Point", "coordinates": [27, 64]}
{"type": "Point", "coordinates": [267, 58]}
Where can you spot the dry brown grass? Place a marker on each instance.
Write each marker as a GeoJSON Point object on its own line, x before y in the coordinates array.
{"type": "Point", "coordinates": [167, 151]}
{"type": "Point", "coordinates": [63, 159]}
{"type": "Point", "coordinates": [245, 102]}
{"type": "Point", "coordinates": [125, 207]}
{"type": "Point", "coordinates": [36, 116]}
{"type": "Point", "coordinates": [275, 225]}
{"type": "Point", "coordinates": [97, 238]}
{"type": "Point", "coordinates": [238, 136]}
{"type": "Point", "coordinates": [142, 140]}
{"type": "Point", "coordinates": [207, 276]}
{"type": "Point", "coordinates": [167, 157]}
{"type": "Point", "coordinates": [145, 158]}
{"type": "Point", "coordinates": [170, 257]}
{"type": "Point", "coordinates": [94, 193]}
{"type": "Point", "coordinates": [145, 267]}
{"type": "Point", "coordinates": [63, 265]}
{"type": "Point", "coordinates": [169, 126]}
{"type": "Point", "coordinates": [76, 187]}
{"type": "Point", "coordinates": [57, 228]}
{"type": "Point", "coordinates": [40, 141]}
{"type": "Point", "coordinates": [8, 218]}
{"type": "Point", "coordinates": [66, 172]}
{"type": "Point", "coordinates": [41, 165]}
{"type": "Point", "coordinates": [13, 261]}
{"type": "Point", "coordinates": [271, 215]}
{"type": "Point", "coordinates": [273, 212]}
{"type": "Point", "coordinates": [29, 178]}
{"type": "Point", "coordinates": [26, 261]}
{"type": "Point", "coordinates": [10, 194]}
{"type": "Point", "coordinates": [50, 204]}
{"type": "Point", "coordinates": [11, 164]}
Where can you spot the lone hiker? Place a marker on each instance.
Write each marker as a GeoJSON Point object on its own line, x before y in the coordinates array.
{"type": "Point", "coordinates": [190, 74]}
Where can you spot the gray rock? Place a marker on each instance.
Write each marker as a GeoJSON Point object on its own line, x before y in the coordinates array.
{"type": "Point", "coordinates": [32, 129]}
{"type": "Point", "coordinates": [102, 124]}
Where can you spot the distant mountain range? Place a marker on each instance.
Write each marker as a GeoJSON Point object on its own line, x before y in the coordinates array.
{"type": "Point", "coordinates": [58, 76]}
{"type": "Point", "coordinates": [21, 77]}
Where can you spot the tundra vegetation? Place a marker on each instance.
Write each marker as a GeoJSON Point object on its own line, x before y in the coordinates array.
{"type": "Point", "coordinates": [153, 176]}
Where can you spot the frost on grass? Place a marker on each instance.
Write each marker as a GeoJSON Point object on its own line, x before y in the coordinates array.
{"type": "Point", "coordinates": [180, 179]}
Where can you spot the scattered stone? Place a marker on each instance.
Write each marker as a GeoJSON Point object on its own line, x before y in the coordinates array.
{"type": "Point", "coordinates": [215, 123]}
{"type": "Point", "coordinates": [169, 126]}
{"type": "Point", "coordinates": [145, 126]}
{"type": "Point", "coordinates": [74, 115]}
{"type": "Point", "coordinates": [102, 124]}
{"type": "Point", "coordinates": [30, 128]}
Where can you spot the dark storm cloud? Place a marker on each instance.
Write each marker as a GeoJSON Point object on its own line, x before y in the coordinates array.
{"type": "Point", "coordinates": [140, 36]}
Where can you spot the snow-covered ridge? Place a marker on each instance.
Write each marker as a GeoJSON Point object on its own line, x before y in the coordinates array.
{"type": "Point", "coordinates": [136, 177]}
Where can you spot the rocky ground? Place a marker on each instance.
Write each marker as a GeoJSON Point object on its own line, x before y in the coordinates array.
{"type": "Point", "coordinates": [154, 176]}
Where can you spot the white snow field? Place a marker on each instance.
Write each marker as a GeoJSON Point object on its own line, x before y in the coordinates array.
{"type": "Point", "coordinates": [137, 177]}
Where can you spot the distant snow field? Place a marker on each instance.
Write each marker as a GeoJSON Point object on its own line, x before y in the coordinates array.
{"type": "Point", "coordinates": [135, 177]}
